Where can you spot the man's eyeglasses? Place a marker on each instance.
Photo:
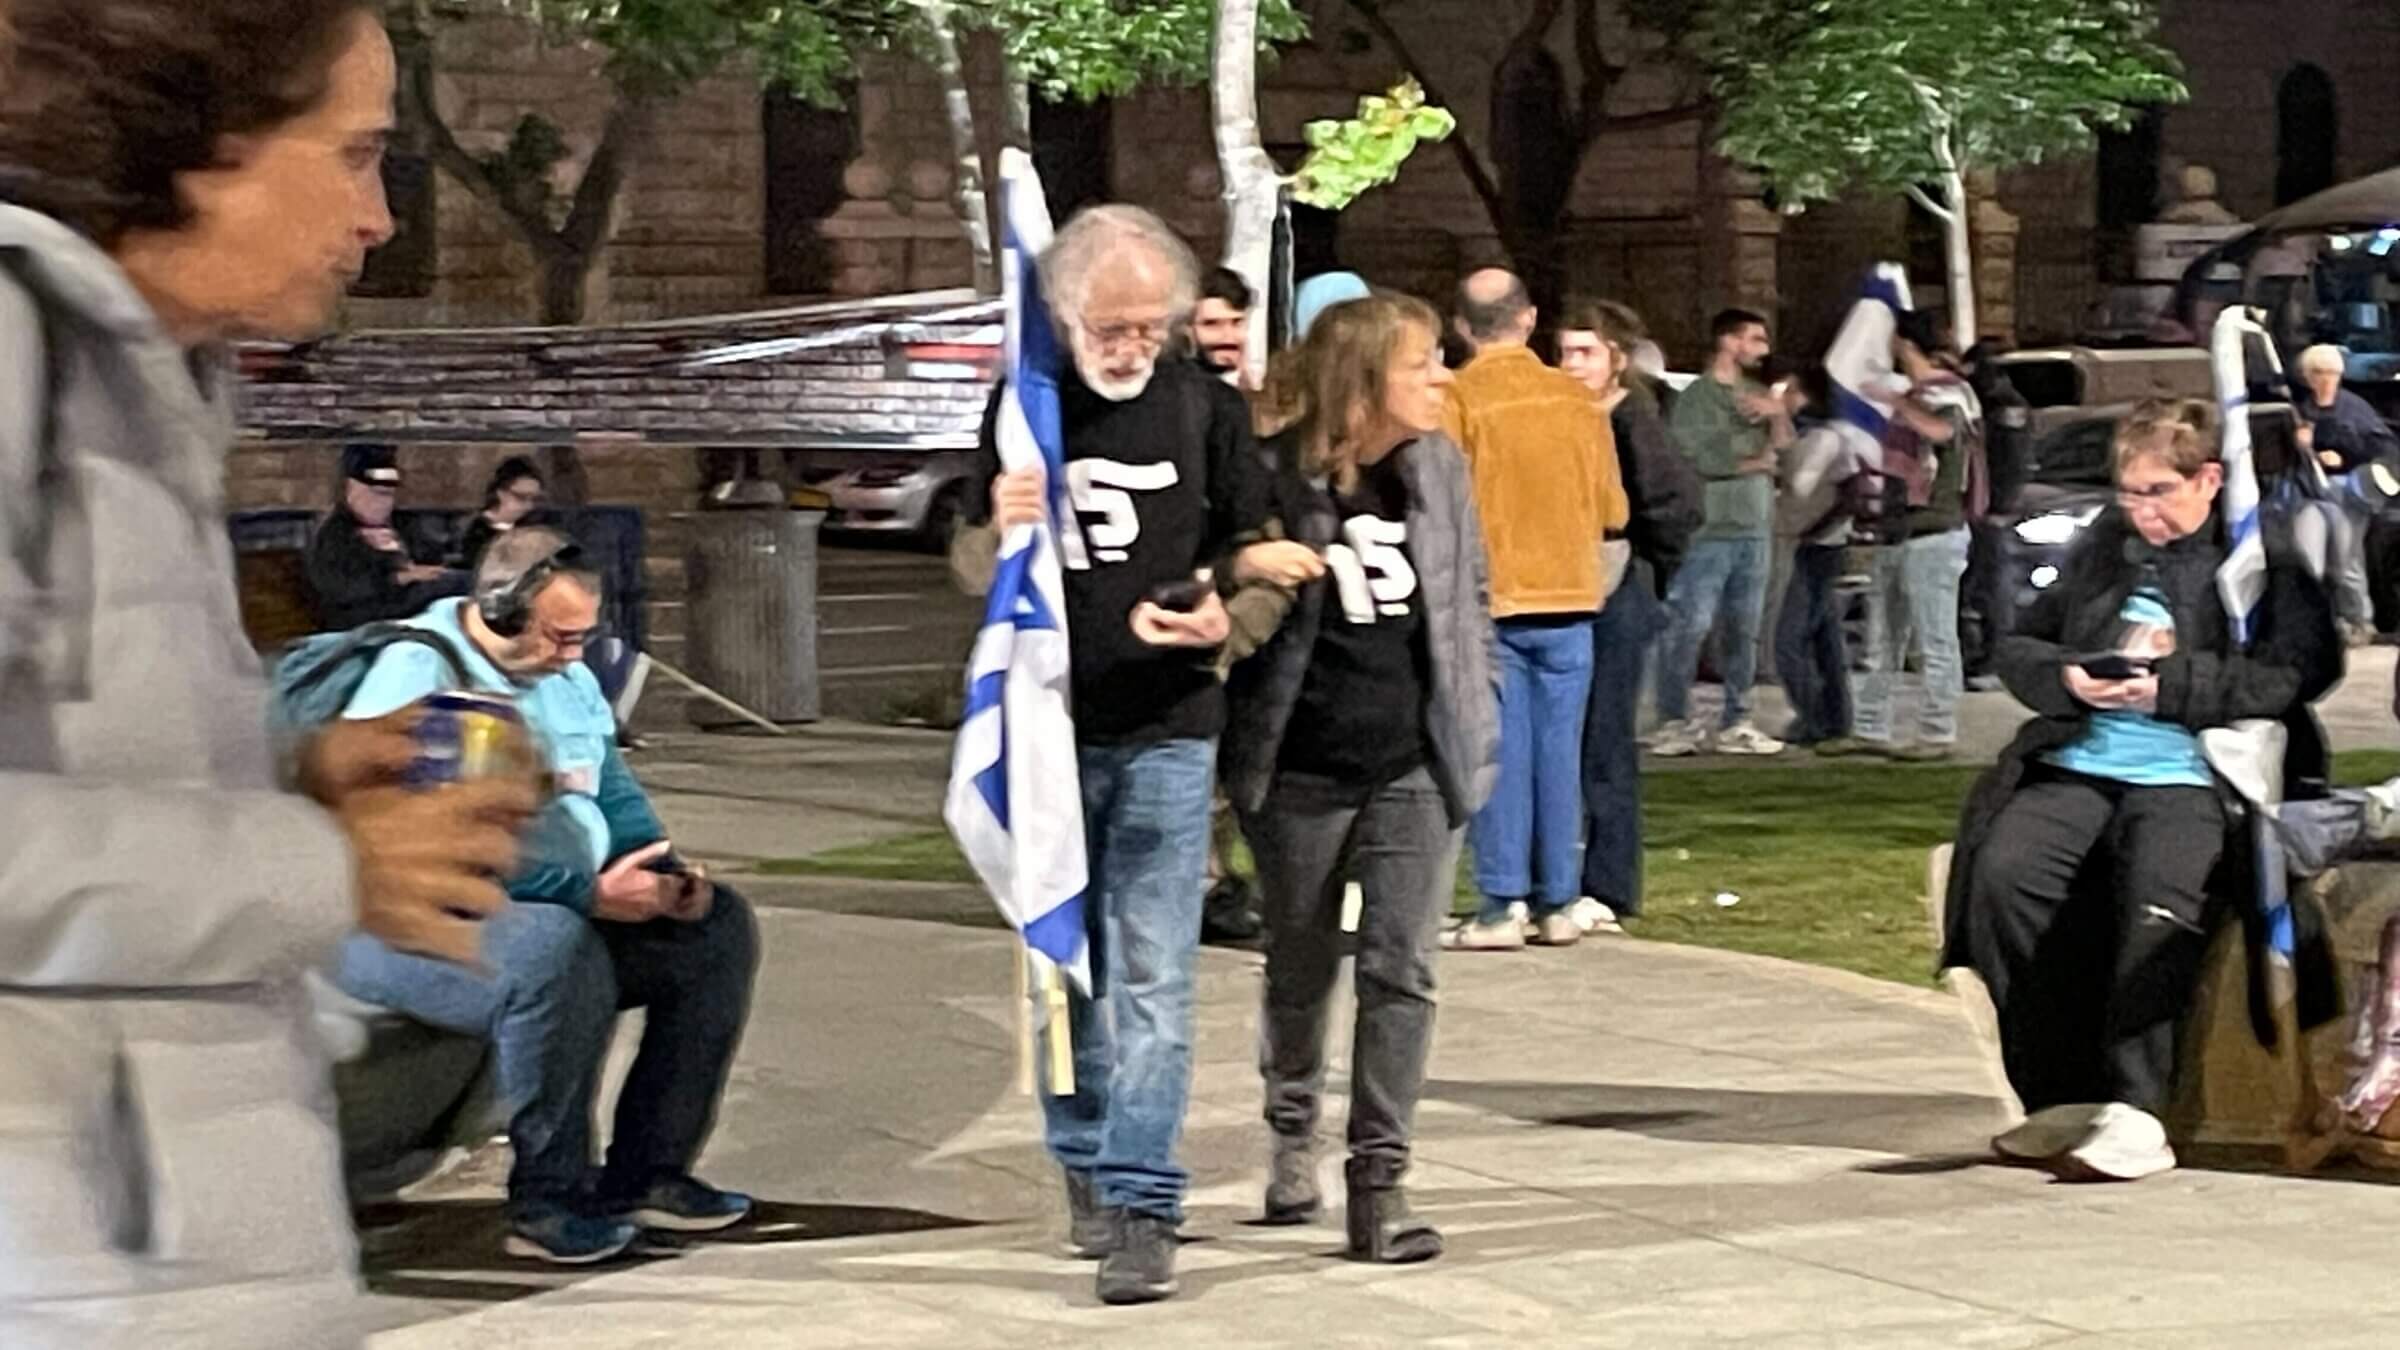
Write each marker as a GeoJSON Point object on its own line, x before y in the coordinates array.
{"type": "Point", "coordinates": [1149, 335]}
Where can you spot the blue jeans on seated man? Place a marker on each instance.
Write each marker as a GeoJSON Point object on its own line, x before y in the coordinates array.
{"type": "Point", "coordinates": [1146, 824]}
{"type": "Point", "coordinates": [553, 984]}
{"type": "Point", "coordinates": [1726, 576]}
{"type": "Point", "coordinates": [1527, 835]}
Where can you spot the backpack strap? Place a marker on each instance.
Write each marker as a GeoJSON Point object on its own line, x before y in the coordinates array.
{"type": "Point", "coordinates": [374, 637]}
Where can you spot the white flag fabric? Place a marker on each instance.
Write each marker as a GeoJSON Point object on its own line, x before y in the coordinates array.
{"type": "Point", "coordinates": [1015, 802]}
{"type": "Point", "coordinates": [1859, 363]}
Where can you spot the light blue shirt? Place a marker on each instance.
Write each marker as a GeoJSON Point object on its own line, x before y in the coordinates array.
{"type": "Point", "coordinates": [566, 713]}
{"type": "Point", "coordinates": [2136, 748]}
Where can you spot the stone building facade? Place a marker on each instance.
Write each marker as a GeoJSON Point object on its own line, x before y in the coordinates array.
{"type": "Point", "coordinates": [743, 197]}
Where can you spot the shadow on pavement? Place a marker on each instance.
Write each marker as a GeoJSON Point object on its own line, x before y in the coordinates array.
{"type": "Point", "coordinates": [1880, 1122]}
{"type": "Point", "coordinates": [451, 1249]}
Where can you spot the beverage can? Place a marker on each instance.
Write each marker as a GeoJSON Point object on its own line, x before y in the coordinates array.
{"type": "Point", "coordinates": [464, 735]}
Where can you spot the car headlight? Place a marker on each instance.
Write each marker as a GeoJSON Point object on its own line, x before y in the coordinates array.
{"type": "Point", "coordinates": [2055, 527]}
{"type": "Point", "coordinates": [2043, 577]}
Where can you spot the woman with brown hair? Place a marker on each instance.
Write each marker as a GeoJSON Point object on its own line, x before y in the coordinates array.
{"type": "Point", "coordinates": [1363, 736]}
{"type": "Point", "coordinates": [2096, 859]}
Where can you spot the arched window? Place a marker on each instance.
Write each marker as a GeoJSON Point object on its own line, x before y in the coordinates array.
{"type": "Point", "coordinates": [807, 149]}
{"type": "Point", "coordinates": [2127, 174]}
{"type": "Point", "coordinates": [2308, 134]}
{"type": "Point", "coordinates": [1074, 149]}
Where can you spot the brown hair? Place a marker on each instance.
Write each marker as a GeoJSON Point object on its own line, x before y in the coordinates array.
{"type": "Point", "coordinates": [1328, 390]}
{"type": "Point", "coordinates": [2184, 432]}
{"type": "Point", "coordinates": [104, 103]}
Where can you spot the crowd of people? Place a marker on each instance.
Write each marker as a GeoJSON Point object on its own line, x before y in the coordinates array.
{"type": "Point", "coordinates": [1389, 610]}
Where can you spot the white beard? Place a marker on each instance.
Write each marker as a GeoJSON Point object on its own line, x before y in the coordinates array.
{"type": "Point", "coordinates": [1089, 365]}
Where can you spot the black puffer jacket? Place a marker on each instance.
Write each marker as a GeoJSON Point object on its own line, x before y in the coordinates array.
{"type": "Point", "coordinates": [2294, 656]}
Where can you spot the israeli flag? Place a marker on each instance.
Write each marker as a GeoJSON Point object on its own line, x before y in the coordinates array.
{"type": "Point", "coordinates": [1866, 389]}
{"type": "Point", "coordinates": [1015, 804]}
{"type": "Point", "coordinates": [2250, 753]}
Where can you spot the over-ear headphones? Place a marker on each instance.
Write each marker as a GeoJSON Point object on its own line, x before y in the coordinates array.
{"type": "Point", "coordinates": [508, 609]}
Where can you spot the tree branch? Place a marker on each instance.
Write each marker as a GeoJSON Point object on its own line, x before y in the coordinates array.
{"type": "Point", "coordinates": [1470, 160]}
{"type": "Point", "coordinates": [1660, 117]}
{"type": "Point", "coordinates": [1931, 207]}
{"type": "Point", "coordinates": [413, 47]}
{"type": "Point", "coordinates": [1599, 76]}
{"type": "Point", "coordinates": [621, 139]}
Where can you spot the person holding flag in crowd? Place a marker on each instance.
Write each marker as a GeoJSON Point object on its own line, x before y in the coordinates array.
{"type": "Point", "coordinates": [1116, 494]}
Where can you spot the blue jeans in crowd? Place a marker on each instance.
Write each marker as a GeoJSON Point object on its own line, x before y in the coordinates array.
{"type": "Point", "coordinates": [1612, 758]}
{"type": "Point", "coordinates": [1146, 823]}
{"type": "Point", "coordinates": [1811, 657]}
{"type": "Point", "coordinates": [547, 1000]}
{"type": "Point", "coordinates": [1727, 576]}
{"type": "Point", "coordinates": [1526, 835]}
{"type": "Point", "coordinates": [1916, 590]}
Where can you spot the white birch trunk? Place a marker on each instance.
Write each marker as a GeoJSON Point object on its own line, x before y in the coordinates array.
{"type": "Point", "coordinates": [1252, 182]}
{"type": "Point", "coordinates": [1961, 251]}
{"type": "Point", "coordinates": [966, 178]}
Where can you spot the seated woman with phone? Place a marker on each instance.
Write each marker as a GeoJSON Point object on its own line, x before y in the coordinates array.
{"type": "Point", "coordinates": [2087, 880]}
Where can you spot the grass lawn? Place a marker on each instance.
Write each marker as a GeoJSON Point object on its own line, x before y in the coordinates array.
{"type": "Point", "coordinates": [1828, 860]}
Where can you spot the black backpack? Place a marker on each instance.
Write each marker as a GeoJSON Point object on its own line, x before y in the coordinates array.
{"type": "Point", "coordinates": [1874, 502]}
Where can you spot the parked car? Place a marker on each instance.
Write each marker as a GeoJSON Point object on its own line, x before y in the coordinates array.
{"type": "Point", "coordinates": [919, 497]}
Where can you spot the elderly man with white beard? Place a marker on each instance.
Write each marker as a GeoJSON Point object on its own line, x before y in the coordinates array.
{"type": "Point", "coordinates": [1173, 503]}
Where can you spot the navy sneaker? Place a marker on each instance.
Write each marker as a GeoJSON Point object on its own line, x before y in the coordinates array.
{"type": "Point", "coordinates": [684, 1204]}
{"type": "Point", "coordinates": [563, 1237]}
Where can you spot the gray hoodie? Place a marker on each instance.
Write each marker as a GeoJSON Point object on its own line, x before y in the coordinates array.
{"type": "Point", "coordinates": [169, 1172]}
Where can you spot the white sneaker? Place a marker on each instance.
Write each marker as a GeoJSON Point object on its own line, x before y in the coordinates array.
{"type": "Point", "coordinates": [2046, 1134]}
{"type": "Point", "coordinates": [1744, 739]}
{"type": "Point", "coordinates": [1592, 916]}
{"type": "Point", "coordinates": [2125, 1143]}
{"type": "Point", "coordinates": [1508, 935]}
{"type": "Point", "coordinates": [1677, 740]}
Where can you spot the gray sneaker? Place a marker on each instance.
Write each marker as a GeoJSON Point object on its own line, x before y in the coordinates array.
{"type": "Point", "coordinates": [1140, 1267]}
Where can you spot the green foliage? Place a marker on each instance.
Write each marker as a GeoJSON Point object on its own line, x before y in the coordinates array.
{"type": "Point", "coordinates": [1088, 49]}
{"type": "Point", "coordinates": [1823, 95]}
{"type": "Point", "coordinates": [1348, 157]}
{"type": "Point", "coordinates": [664, 46]}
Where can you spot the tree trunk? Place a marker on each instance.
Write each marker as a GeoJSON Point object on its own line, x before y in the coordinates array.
{"type": "Point", "coordinates": [966, 188]}
{"type": "Point", "coordinates": [1960, 251]}
{"type": "Point", "coordinates": [564, 278]}
{"type": "Point", "coordinates": [1252, 181]}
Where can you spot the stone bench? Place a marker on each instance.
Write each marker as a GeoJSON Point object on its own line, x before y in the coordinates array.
{"type": "Point", "coordinates": [2239, 1103]}
{"type": "Point", "coordinates": [407, 1093]}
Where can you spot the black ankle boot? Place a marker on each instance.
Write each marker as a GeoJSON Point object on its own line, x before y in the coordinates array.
{"type": "Point", "coordinates": [1382, 1228]}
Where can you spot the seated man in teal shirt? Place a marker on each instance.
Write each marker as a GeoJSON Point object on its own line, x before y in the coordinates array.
{"type": "Point", "coordinates": [605, 918]}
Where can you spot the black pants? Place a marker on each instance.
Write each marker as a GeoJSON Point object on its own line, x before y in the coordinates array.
{"type": "Point", "coordinates": [1312, 837]}
{"type": "Point", "coordinates": [1811, 658]}
{"type": "Point", "coordinates": [1612, 759]}
{"type": "Point", "coordinates": [2088, 915]}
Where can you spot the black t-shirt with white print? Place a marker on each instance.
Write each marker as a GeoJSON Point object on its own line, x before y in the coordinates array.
{"type": "Point", "coordinates": [1360, 719]}
{"type": "Point", "coordinates": [1163, 483]}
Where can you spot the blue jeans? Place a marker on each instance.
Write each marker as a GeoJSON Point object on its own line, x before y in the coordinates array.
{"type": "Point", "coordinates": [1727, 576]}
{"type": "Point", "coordinates": [1612, 761]}
{"type": "Point", "coordinates": [1526, 835]}
{"type": "Point", "coordinates": [1146, 822]}
{"type": "Point", "coordinates": [554, 983]}
{"type": "Point", "coordinates": [1811, 658]}
{"type": "Point", "coordinates": [1916, 590]}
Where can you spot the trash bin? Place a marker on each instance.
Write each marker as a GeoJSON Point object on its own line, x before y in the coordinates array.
{"type": "Point", "coordinates": [751, 612]}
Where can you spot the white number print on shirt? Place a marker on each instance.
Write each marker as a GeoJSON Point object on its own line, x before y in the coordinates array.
{"type": "Point", "coordinates": [1369, 570]}
{"type": "Point", "coordinates": [1104, 488]}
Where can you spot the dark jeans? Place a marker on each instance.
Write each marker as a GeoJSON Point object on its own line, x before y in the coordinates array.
{"type": "Point", "coordinates": [1811, 657]}
{"type": "Point", "coordinates": [548, 1001]}
{"type": "Point", "coordinates": [2088, 916]}
{"type": "Point", "coordinates": [1312, 837]}
{"type": "Point", "coordinates": [1612, 757]}
{"type": "Point", "coordinates": [1145, 823]}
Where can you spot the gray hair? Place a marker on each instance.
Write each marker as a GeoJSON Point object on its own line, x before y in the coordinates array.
{"type": "Point", "coordinates": [2324, 356]}
{"type": "Point", "coordinates": [1094, 237]}
{"type": "Point", "coordinates": [520, 551]}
